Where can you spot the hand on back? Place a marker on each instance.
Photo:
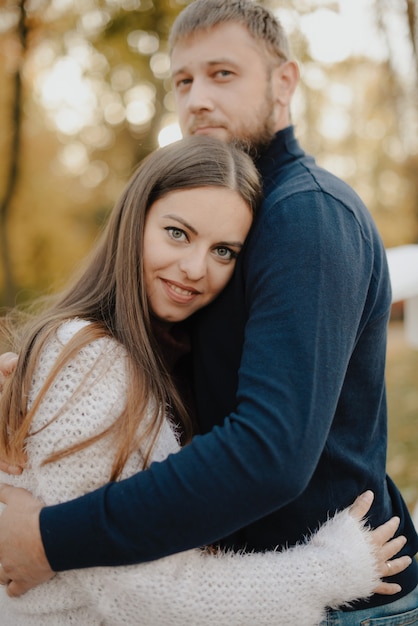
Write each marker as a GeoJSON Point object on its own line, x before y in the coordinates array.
{"type": "Point", "coordinates": [384, 546]}
{"type": "Point", "coordinates": [8, 362]}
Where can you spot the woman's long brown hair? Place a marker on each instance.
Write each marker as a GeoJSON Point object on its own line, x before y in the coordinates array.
{"type": "Point", "coordinates": [109, 292]}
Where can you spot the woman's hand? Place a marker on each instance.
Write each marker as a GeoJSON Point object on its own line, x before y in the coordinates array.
{"type": "Point", "coordinates": [384, 546]}
{"type": "Point", "coordinates": [8, 362]}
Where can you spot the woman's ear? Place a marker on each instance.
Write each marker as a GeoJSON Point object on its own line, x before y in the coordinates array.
{"type": "Point", "coordinates": [285, 78]}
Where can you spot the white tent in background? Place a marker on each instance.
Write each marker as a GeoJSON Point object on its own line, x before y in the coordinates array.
{"type": "Point", "coordinates": [403, 269]}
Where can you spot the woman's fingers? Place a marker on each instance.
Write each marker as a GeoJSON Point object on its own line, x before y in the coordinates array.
{"type": "Point", "coordinates": [8, 362]}
{"type": "Point", "coordinates": [390, 568]}
{"type": "Point", "coordinates": [390, 548]}
{"type": "Point", "coordinates": [384, 533]}
{"type": "Point", "coordinates": [386, 547]}
{"type": "Point", "coordinates": [361, 505]}
{"type": "Point", "coordinates": [13, 470]}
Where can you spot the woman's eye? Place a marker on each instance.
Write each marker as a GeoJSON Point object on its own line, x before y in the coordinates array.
{"type": "Point", "coordinates": [226, 254]}
{"type": "Point", "coordinates": [176, 233]}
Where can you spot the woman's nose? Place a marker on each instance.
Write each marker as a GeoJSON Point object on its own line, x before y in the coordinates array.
{"type": "Point", "coordinates": [193, 265]}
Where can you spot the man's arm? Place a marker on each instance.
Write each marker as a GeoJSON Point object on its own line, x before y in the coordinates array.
{"type": "Point", "coordinates": [245, 469]}
{"type": "Point", "coordinates": [340, 563]}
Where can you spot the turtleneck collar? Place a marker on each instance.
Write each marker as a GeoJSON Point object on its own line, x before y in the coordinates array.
{"type": "Point", "coordinates": [283, 149]}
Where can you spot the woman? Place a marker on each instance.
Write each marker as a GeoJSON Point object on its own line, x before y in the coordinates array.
{"type": "Point", "coordinates": [92, 399]}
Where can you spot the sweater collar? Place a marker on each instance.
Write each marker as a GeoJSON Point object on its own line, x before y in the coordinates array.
{"type": "Point", "coordinates": [283, 149]}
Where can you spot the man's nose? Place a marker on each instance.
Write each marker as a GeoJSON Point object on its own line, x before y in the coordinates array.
{"type": "Point", "coordinates": [200, 98]}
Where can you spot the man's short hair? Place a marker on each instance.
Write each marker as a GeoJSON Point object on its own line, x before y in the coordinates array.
{"type": "Point", "coordinates": [259, 21]}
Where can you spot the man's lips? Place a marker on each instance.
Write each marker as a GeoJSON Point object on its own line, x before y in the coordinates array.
{"type": "Point", "coordinates": [204, 130]}
{"type": "Point", "coordinates": [202, 127]}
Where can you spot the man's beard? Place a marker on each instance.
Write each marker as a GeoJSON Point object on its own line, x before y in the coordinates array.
{"type": "Point", "coordinates": [256, 144]}
{"type": "Point", "coordinates": [256, 140]}
{"type": "Point", "coordinates": [252, 135]}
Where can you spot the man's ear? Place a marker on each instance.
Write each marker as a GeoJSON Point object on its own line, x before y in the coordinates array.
{"type": "Point", "coordinates": [285, 78]}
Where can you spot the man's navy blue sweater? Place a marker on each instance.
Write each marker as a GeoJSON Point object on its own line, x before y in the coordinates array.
{"type": "Point", "coordinates": [290, 385]}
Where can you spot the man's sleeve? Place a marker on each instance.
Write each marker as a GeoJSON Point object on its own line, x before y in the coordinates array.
{"type": "Point", "coordinates": [305, 285]}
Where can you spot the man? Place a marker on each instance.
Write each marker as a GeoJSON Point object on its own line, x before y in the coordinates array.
{"type": "Point", "coordinates": [290, 359]}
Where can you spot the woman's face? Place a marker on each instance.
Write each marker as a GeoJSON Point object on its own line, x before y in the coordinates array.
{"type": "Point", "coordinates": [191, 240]}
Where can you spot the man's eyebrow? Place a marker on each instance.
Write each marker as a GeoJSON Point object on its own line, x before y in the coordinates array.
{"type": "Point", "coordinates": [221, 60]}
{"type": "Point", "coordinates": [172, 216]}
{"type": "Point", "coordinates": [211, 63]}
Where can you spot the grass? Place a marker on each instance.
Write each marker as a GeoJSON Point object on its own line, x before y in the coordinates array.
{"type": "Point", "coordinates": [402, 390]}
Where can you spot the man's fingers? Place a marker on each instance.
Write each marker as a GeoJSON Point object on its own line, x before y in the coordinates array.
{"type": "Point", "coordinates": [7, 492]}
{"type": "Point", "coordinates": [14, 589]}
{"type": "Point", "coordinates": [4, 578]}
{"type": "Point", "coordinates": [361, 505]}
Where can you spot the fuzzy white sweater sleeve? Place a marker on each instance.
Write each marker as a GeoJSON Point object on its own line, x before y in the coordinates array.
{"type": "Point", "coordinates": [193, 588]}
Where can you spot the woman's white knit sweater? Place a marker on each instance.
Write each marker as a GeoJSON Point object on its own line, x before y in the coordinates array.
{"type": "Point", "coordinates": [189, 589]}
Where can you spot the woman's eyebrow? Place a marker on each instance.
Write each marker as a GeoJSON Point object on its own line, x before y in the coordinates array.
{"type": "Point", "coordinates": [177, 218]}
{"type": "Point", "coordinates": [233, 244]}
{"type": "Point", "coordinates": [172, 216]}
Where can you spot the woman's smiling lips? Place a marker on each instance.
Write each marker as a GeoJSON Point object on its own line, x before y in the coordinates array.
{"type": "Point", "coordinates": [178, 292]}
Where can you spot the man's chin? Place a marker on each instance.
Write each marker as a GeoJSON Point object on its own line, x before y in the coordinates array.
{"type": "Point", "coordinates": [253, 147]}
{"type": "Point", "coordinates": [250, 145]}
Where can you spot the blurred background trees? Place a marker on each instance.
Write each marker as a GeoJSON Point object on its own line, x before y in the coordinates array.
{"type": "Point", "coordinates": [85, 94]}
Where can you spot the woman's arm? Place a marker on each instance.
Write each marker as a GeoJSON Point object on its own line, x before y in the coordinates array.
{"type": "Point", "coordinates": [336, 566]}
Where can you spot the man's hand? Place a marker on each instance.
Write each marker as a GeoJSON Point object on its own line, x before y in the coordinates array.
{"type": "Point", "coordinates": [384, 546]}
{"type": "Point", "coordinates": [22, 556]}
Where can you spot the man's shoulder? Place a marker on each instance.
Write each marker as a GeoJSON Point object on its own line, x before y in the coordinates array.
{"type": "Point", "coordinates": [306, 176]}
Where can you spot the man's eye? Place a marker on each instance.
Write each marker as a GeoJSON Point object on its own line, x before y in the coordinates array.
{"type": "Point", "coordinates": [176, 233]}
{"type": "Point", "coordinates": [223, 73]}
{"type": "Point", "coordinates": [183, 82]}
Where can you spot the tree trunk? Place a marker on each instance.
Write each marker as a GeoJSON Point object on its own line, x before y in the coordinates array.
{"type": "Point", "coordinates": [412, 23]}
{"type": "Point", "coordinates": [13, 170]}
